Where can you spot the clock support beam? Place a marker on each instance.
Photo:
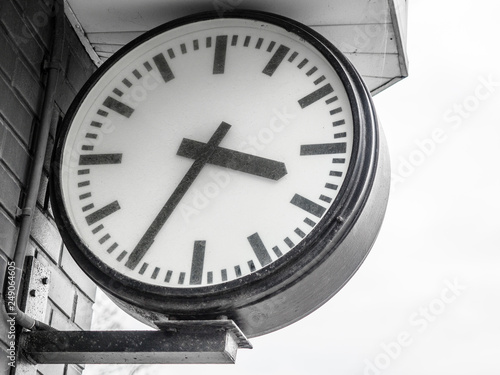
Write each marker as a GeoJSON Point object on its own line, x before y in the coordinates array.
{"type": "Point", "coordinates": [200, 341]}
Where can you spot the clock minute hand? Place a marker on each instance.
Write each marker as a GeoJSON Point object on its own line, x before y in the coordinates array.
{"type": "Point", "coordinates": [201, 158]}
{"type": "Point", "coordinates": [235, 160]}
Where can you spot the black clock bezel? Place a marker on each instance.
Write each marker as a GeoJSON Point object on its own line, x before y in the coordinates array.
{"type": "Point", "coordinates": [210, 301]}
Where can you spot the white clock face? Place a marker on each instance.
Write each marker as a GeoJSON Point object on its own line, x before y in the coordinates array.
{"type": "Point", "coordinates": [206, 153]}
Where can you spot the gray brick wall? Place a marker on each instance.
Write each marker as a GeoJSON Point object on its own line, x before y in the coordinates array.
{"type": "Point", "coordinates": [25, 32]}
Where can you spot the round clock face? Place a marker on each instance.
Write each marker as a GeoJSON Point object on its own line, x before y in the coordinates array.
{"type": "Point", "coordinates": [221, 166]}
{"type": "Point", "coordinates": [207, 153]}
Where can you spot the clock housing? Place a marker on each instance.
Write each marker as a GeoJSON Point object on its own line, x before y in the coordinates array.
{"type": "Point", "coordinates": [268, 288]}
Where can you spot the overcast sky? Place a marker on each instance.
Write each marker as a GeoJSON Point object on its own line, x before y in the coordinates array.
{"type": "Point", "coordinates": [427, 298]}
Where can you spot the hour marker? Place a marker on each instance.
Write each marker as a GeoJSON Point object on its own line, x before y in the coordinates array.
{"type": "Point", "coordinates": [308, 205]}
{"type": "Point", "coordinates": [137, 74]}
{"type": "Point", "coordinates": [323, 148]}
{"type": "Point", "coordinates": [251, 266]}
{"type": "Point", "coordinates": [143, 268]}
{"type": "Point", "coordinates": [340, 135]}
{"type": "Point", "coordinates": [276, 60]}
{"type": "Point", "coordinates": [168, 276]}
{"type": "Point", "coordinates": [118, 107]}
{"type": "Point", "coordinates": [338, 123]}
{"type": "Point", "coordinates": [196, 45]}
{"type": "Point", "coordinates": [102, 213]}
{"type": "Point", "coordinates": [223, 274]}
{"type": "Point", "coordinates": [316, 95]}
{"type": "Point", "coordinates": [121, 256]}
{"type": "Point", "coordinates": [259, 249]}
{"type": "Point", "coordinates": [299, 232]}
{"type": "Point", "coordinates": [210, 277]}
{"type": "Point", "coordinates": [331, 186]}
{"type": "Point", "coordinates": [97, 159]}
{"type": "Point", "coordinates": [183, 49]}
{"type": "Point", "coordinates": [277, 251]}
{"type": "Point", "coordinates": [324, 198]}
{"type": "Point", "coordinates": [336, 110]}
{"type": "Point", "coordinates": [271, 46]}
{"type": "Point", "coordinates": [171, 53]}
{"type": "Point", "coordinates": [182, 276]}
{"type": "Point", "coordinates": [126, 82]}
{"type": "Point", "coordinates": [234, 40]}
{"type": "Point", "coordinates": [289, 242]}
{"type": "Point", "coordinates": [117, 92]}
{"type": "Point", "coordinates": [104, 238]}
{"type": "Point", "coordinates": [220, 54]}
{"type": "Point", "coordinates": [294, 55]}
{"type": "Point", "coordinates": [148, 66]}
{"type": "Point", "coordinates": [259, 43]}
{"type": "Point", "coordinates": [163, 67]}
{"type": "Point", "coordinates": [302, 63]}
{"type": "Point", "coordinates": [237, 271]}
{"type": "Point", "coordinates": [112, 247]}
{"type": "Point", "coordinates": [98, 228]}
{"type": "Point", "coordinates": [247, 41]}
{"type": "Point", "coordinates": [309, 222]}
{"type": "Point", "coordinates": [154, 275]}
{"type": "Point", "coordinates": [197, 263]}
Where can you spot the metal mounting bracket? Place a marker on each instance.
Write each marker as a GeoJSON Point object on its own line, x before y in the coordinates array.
{"type": "Point", "coordinates": [179, 341]}
{"type": "Point", "coordinates": [36, 294]}
{"type": "Point", "coordinates": [37, 289]}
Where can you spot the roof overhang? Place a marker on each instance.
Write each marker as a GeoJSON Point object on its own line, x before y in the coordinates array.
{"type": "Point", "coordinates": [371, 33]}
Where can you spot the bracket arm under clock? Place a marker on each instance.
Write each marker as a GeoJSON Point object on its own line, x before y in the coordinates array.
{"type": "Point", "coordinates": [179, 341]}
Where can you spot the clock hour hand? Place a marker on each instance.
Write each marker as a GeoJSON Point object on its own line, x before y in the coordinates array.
{"type": "Point", "coordinates": [235, 160]}
{"type": "Point", "coordinates": [200, 160]}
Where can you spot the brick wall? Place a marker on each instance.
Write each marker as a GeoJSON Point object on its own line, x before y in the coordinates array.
{"type": "Point", "coordinates": [25, 31]}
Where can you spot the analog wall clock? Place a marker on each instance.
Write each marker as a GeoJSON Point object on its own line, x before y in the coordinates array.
{"type": "Point", "coordinates": [221, 166]}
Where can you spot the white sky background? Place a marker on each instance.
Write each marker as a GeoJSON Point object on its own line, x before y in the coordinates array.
{"type": "Point", "coordinates": [441, 227]}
